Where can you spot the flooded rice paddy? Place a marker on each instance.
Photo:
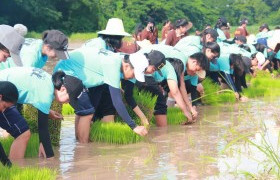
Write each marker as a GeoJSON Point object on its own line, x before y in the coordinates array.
{"type": "Point", "coordinates": [212, 148]}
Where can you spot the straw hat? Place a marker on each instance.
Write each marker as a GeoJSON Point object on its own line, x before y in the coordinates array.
{"type": "Point", "coordinates": [114, 27]}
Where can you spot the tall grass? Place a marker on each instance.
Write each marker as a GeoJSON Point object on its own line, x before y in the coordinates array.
{"type": "Point", "coordinates": [32, 146]}
{"type": "Point", "coordinates": [113, 133]}
{"type": "Point", "coordinates": [30, 173]}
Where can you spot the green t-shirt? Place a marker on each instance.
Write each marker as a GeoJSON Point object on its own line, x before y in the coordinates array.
{"type": "Point", "coordinates": [34, 85]}
{"type": "Point", "coordinates": [93, 66]}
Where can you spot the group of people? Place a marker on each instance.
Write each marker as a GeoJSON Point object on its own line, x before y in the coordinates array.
{"type": "Point", "coordinates": [94, 78]}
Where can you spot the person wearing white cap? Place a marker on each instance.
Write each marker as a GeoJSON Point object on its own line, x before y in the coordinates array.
{"type": "Point", "coordinates": [10, 44]}
{"type": "Point", "coordinates": [98, 70]}
{"type": "Point", "coordinates": [111, 37]}
{"type": "Point", "coordinates": [36, 52]}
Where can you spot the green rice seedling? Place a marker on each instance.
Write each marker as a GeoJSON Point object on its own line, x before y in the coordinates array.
{"type": "Point", "coordinates": [214, 96]}
{"type": "Point", "coordinates": [31, 115]}
{"type": "Point", "coordinates": [175, 116]}
{"type": "Point", "coordinates": [30, 173]}
{"type": "Point", "coordinates": [31, 149]}
{"type": "Point", "coordinates": [67, 110]}
{"type": "Point", "coordinates": [113, 133]}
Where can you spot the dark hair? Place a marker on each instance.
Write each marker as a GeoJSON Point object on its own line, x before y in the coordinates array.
{"type": "Point", "coordinates": [210, 31]}
{"type": "Point", "coordinates": [115, 42]}
{"type": "Point", "coordinates": [238, 64]}
{"type": "Point", "coordinates": [222, 22]}
{"type": "Point", "coordinates": [3, 48]}
{"type": "Point", "coordinates": [263, 26]}
{"type": "Point", "coordinates": [213, 46]}
{"type": "Point", "coordinates": [259, 47]}
{"type": "Point", "coordinates": [9, 92]}
{"type": "Point", "coordinates": [181, 22]}
{"type": "Point", "coordinates": [151, 20]}
{"type": "Point", "coordinates": [277, 27]}
{"type": "Point", "coordinates": [57, 79]}
{"type": "Point", "coordinates": [178, 66]}
{"type": "Point", "coordinates": [165, 22]}
{"type": "Point", "coordinates": [243, 21]}
{"type": "Point", "coordinates": [201, 59]}
{"type": "Point", "coordinates": [138, 28]}
{"type": "Point", "coordinates": [247, 48]}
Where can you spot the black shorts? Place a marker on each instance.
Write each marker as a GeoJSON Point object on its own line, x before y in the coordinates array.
{"type": "Point", "coordinates": [152, 86]}
{"type": "Point", "coordinates": [13, 122]}
{"type": "Point", "coordinates": [101, 99]}
{"type": "Point", "coordinates": [84, 106]}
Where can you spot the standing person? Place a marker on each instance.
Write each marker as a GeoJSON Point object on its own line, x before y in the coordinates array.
{"type": "Point", "coordinates": [180, 31]}
{"type": "Point", "coordinates": [102, 69]}
{"type": "Point", "coordinates": [165, 29]}
{"type": "Point", "coordinates": [110, 38]}
{"type": "Point", "coordinates": [222, 29]}
{"type": "Point", "coordinates": [150, 32]}
{"type": "Point", "coordinates": [241, 30]}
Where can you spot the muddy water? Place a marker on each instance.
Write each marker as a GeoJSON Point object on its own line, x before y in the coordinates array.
{"type": "Point", "coordinates": [175, 152]}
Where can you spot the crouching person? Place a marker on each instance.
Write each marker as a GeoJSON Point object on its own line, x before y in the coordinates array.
{"type": "Point", "coordinates": [12, 121]}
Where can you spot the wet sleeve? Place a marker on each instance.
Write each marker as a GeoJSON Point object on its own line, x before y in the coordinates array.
{"type": "Point", "coordinates": [120, 107]}
{"type": "Point", "coordinates": [230, 82]}
{"type": "Point", "coordinates": [128, 93]}
{"type": "Point", "coordinates": [44, 134]}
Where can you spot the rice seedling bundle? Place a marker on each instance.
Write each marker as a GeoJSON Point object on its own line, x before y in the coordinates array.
{"type": "Point", "coordinates": [113, 133]}
{"type": "Point", "coordinates": [67, 109]}
{"type": "Point", "coordinates": [175, 116]}
{"type": "Point", "coordinates": [32, 146]}
{"type": "Point", "coordinates": [213, 95]}
{"type": "Point", "coordinates": [30, 173]}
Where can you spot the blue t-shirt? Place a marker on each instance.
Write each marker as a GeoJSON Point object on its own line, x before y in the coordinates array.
{"type": "Point", "coordinates": [168, 73]}
{"type": "Point", "coordinates": [189, 45]}
{"type": "Point", "coordinates": [34, 85]}
{"type": "Point", "coordinates": [93, 66]}
{"type": "Point", "coordinates": [98, 43]}
{"type": "Point", "coordinates": [224, 64]}
{"type": "Point", "coordinates": [226, 48]}
{"type": "Point", "coordinates": [221, 36]}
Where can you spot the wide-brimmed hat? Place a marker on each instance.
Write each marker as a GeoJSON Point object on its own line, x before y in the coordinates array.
{"type": "Point", "coordinates": [114, 27]}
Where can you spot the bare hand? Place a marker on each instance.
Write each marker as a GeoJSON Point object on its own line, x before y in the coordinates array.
{"type": "Point", "coordinates": [194, 112]}
{"type": "Point", "coordinates": [55, 115]}
{"type": "Point", "coordinates": [144, 121]}
{"type": "Point", "coordinates": [140, 130]}
{"type": "Point", "coordinates": [243, 99]}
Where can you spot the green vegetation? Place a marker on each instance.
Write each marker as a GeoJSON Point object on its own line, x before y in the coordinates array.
{"type": "Point", "coordinates": [92, 15]}
{"type": "Point", "coordinates": [263, 85]}
{"type": "Point", "coordinates": [175, 116]}
{"type": "Point", "coordinates": [31, 115]}
{"type": "Point", "coordinates": [32, 147]}
{"type": "Point", "coordinates": [30, 173]}
{"type": "Point", "coordinates": [114, 133]}
{"type": "Point", "coordinates": [82, 36]}
{"type": "Point", "coordinates": [213, 95]}
{"type": "Point", "coordinates": [67, 110]}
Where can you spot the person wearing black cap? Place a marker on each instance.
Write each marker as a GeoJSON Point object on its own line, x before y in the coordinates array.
{"type": "Point", "coordinates": [36, 52]}
{"type": "Point", "coordinates": [150, 32]}
{"type": "Point", "coordinates": [12, 121]}
{"type": "Point", "coordinates": [35, 87]}
{"type": "Point", "coordinates": [241, 30]}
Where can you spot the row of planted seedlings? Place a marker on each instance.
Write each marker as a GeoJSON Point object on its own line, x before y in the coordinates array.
{"type": "Point", "coordinates": [31, 115]}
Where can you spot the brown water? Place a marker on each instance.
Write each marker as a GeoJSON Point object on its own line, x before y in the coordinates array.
{"type": "Point", "coordinates": [175, 152]}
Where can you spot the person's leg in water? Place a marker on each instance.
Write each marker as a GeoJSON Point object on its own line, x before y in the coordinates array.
{"type": "Point", "coordinates": [12, 121]}
{"type": "Point", "coordinates": [3, 157]}
{"type": "Point", "coordinates": [160, 109]}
